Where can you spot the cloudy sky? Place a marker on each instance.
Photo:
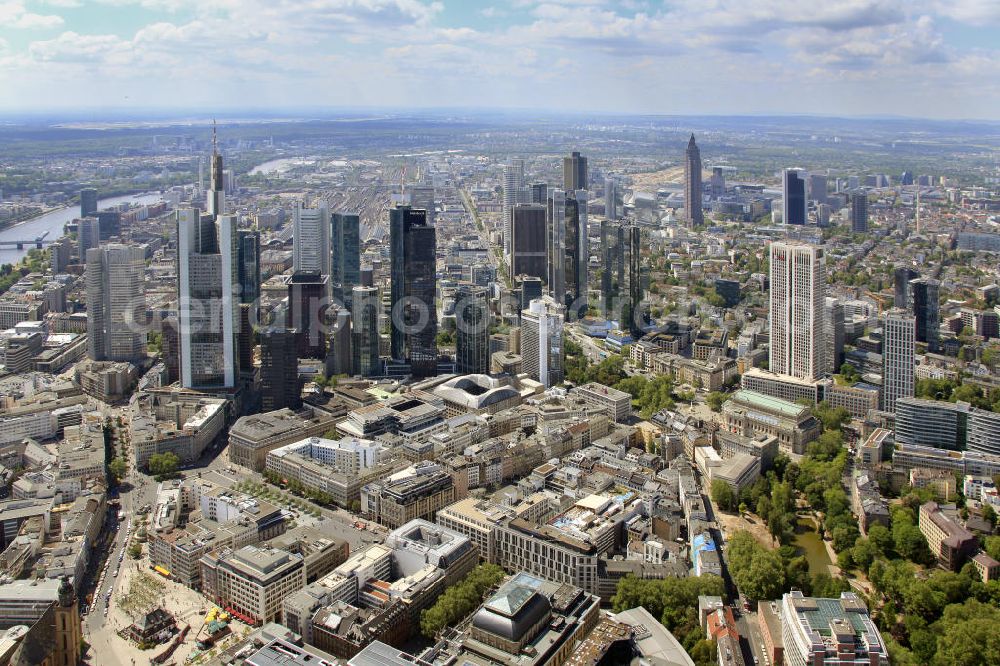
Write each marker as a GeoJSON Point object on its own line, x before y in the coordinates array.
{"type": "Point", "coordinates": [928, 58]}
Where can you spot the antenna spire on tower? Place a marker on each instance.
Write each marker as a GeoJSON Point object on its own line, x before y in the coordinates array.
{"type": "Point", "coordinates": [215, 139]}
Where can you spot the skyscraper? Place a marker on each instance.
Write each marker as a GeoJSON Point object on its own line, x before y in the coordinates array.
{"type": "Point", "coordinates": [794, 206]}
{"type": "Point", "coordinates": [472, 319]}
{"type": "Point", "coordinates": [529, 254]}
{"type": "Point", "coordinates": [898, 350]}
{"type": "Point", "coordinates": [413, 257]}
{"type": "Point", "coordinates": [798, 281]}
{"type": "Point", "coordinates": [636, 314]}
{"type": "Point", "coordinates": [833, 322]}
{"type": "Point", "coordinates": [859, 212]}
{"type": "Point", "coordinates": [208, 299]}
{"type": "Point", "coordinates": [279, 369]}
{"type": "Point", "coordinates": [555, 218]}
{"type": "Point", "coordinates": [345, 269]}
{"type": "Point", "coordinates": [365, 307]}
{"type": "Point", "coordinates": [575, 172]}
{"type": "Point", "coordinates": [116, 306]}
{"type": "Point", "coordinates": [541, 341]}
{"type": "Point", "coordinates": [610, 197]}
{"type": "Point", "coordinates": [217, 184]}
{"type": "Point", "coordinates": [717, 185]}
{"type": "Point", "coordinates": [817, 187]}
{"type": "Point", "coordinates": [608, 282]}
{"type": "Point", "coordinates": [692, 185]}
{"type": "Point", "coordinates": [539, 193]}
{"type": "Point", "coordinates": [901, 281]}
{"type": "Point", "coordinates": [248, 279]}
{"type": "Point", "coordinates": [311, 250]}
{"type": "Point", "coordinates": [577, 250]}
{"type": "Point", "coordinates": [88, 234]}
{"type": "Point", "coordinates": [339, 359]}
{"type": "Point", "coordinates": [513, 194]}
{"type": "Point", "coordinates": [307, 306]}
{"type": "Point", "coordinates": [923, 302]}
{"type": "Point", "coordinates": [109, 222]}
{"type": "Point", "coordinates": [88, 201]}
{"type": "Point", "coordinates": [422, 198]}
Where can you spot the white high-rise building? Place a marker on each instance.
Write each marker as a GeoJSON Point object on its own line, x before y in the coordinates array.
{"type": "Point", "coordinates": [898, 350]}
{"type": "Point", "coordinates": [798, 282]}
{"type": "Point", "coordinates": [311, 250]}
{"type": "Point", "coordinates": [514, 192]}
{"type": "Point", "coordinates": [115, 302]}
{"type": "Point", "coordinates": [541, 340]}
{"type": "Point", "coordinates": [208, 302]}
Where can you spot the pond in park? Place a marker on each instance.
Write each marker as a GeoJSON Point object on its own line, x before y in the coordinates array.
{"type": "Point", "coordinates": [810, 543]}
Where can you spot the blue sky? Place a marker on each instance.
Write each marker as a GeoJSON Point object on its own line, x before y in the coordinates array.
{"type": "Point", "coordinates": [930, 58]}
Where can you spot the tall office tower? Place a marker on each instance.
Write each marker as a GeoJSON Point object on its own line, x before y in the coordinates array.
{"type": "Point", "coordinates": [109, 223]}
{"type": "Point", "coordinates": [365, 308]}
{"type": "Point", "coordinates": [607, 266]}
{"type": "Point", "coordinates": [798, 282]}
{"type": "Point", "coordinates": [636, 310]}
{"type": "Point", "coordinates": [692, 185]}
{"type": "Point", "coordinates": [248, 280]}
{"type": "Point", "coordinates": [339, 359]}
{"type": "Point", "coordinates": [539, 193]}
{"type": "Point", "coordinates": [833, 322]}
{"type": "Point", "coordinates": [472, 319]}
{"type": "Point", "coordinates": [217, 181]}
{"type": "Point", "coordinates": [116, 306]}
{"type": "Point", "coordinates": [529, 288]}
{"type": "Point", "coordinates": [555, 243]}
{"type": "Point", "coordinates": [859, 212]}
{"type": "Point", "coordinates": [279, 369]}
{"type": "Point", "coordinates": [923, 302]}
{"type": "Point", "coordinates": [345, 267]}
{"type": "Point", "coordinates": [575, 172]}
{"type": "Point", "coordinates": [88, 201]}
{"type": "Point", "coordinates": [717, 185]}
{"type": "Point", "coordinates": [793, 204]}
{"type": "Point", "coordinates": [902, 276]}
{"type": "Point", "coordinates": [817, 187]}
{"type": "Point", "coordinates": [88, 232]}
{"type": "Point", "coordinates": [307, 306]}
{"type": "Point", "coordinates": [577, 251]}
{"type": "Point", "coordinates": [208, 308]}
{"type": "Point", "coordinates": [541, 341]}
{"type": "Point", "coordinates": [413, 258]}
{"type": "Point", "coordinates": [898, 350]}
{"type": "Point", "coordinates": [422, 198]}
{"type": "Point", "coordinates": [311, 250]}
{"type": "Point", "coordinates": [906, 178]}
{"type": "Point", "coordinates": [170, 330]}
{"type": "Point", "coordinates": [610, 197]}
{"type": "Point", "coordinates": [60, 253]}
{"type": "Point", "coordinates": [529, 253]}
{"type": "Point", "coordinates": [513, 193]}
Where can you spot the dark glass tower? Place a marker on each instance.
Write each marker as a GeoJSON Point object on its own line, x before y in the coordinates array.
{"type": "Point", "coordinates": [529, 253]}
{"type": "Point", "coordinates": [859, 212]}
{"type": "Point", "coordinates": [307, 304]}
{"type": "Point", "coordinates": [88, 201]}
{"type": "Point", "coordinates": [248, 281]}
{"type": "Point", "coordinates": [901, 280]}
{"type": "Point", "coordinates": [366, 306]}
{"type": "Point", "coordinates": [279, 370]}
{"type": "Point", "coordinates": [924, 304]}
{"type": "Point", "coordinates": [345, 267]}
{"type": "Point", "coordinates": [637, 318]}
{"type": "Point", "coordinates": [574, 172]}
{"type": "Point", "coordinates": [413, 258]}
{"type": "Point", "coordinates": [472, 319]}
{"type": "Point", "coordinates": [692, 185]}
{"type": "Point", "coordinates": [794, 190]}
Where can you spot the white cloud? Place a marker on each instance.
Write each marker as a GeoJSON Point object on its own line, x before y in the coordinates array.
{"type": "Point", "coordinates": [63, 4]}
{"type": "Point", "coordinates": [13, 14]}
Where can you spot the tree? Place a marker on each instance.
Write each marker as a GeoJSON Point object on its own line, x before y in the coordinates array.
{"type": "Point", "coordinates": [118, 468]}
{"type": "Point", "coordinates": [990, 515]}
{"type": "Point", "coordinates": [459, 600]}
{"type": "Point", "coordinates": [715, 400]}
{"type": "Point", "coordinates": [723, 495]}
{"type": "Point", "coordinates": [758, 573]}
{"type": "Point", "coordinates": [135, 551]}
{"type": "Point", "coordinates": [163, 465]}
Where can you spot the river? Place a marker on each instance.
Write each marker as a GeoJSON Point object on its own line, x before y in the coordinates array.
{"type": "Point", "coordinates": [53, 223]}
